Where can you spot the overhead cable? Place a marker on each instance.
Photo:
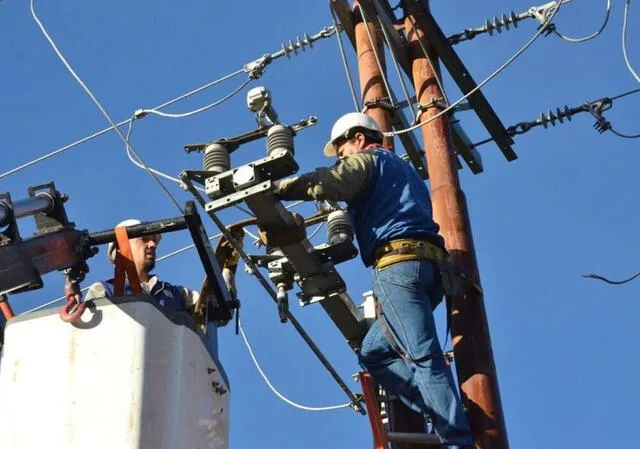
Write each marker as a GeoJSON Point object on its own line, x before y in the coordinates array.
{"type": "Point", "coordinates": [99, 105]}
{"type": "Point", "coordinates": [627, 6]}
{"type": "Point", "coordinates": [254, 69]}
{"type": "Point", "coordinates": [394, 58]}
{"type": "Point", "coordinates": [608, 281]}
{"type": "Point", "coordinates": [345, 63]}
{"type": "Point", "coordinates": [591, 36]}
{"type": "Point", "coordinates": [482, 84]}
{"type": "Point", "coordinates": [274, 390]}
{"type": "Point", "coordinates": [142, 112]}
{"type": "Point", "coordinates": [377, 57]}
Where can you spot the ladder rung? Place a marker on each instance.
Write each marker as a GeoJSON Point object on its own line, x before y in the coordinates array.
{"type": "Point", "coordinates": [418, 438]}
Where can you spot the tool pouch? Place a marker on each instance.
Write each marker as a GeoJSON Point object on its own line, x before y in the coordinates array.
{"type": "Point", "coordinates": [453, 283]}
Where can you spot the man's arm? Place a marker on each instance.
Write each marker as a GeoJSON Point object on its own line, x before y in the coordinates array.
{"type": "Point", "coordinates": [190, 298]}
{"type": "Point", "coordinates": [344, 181]}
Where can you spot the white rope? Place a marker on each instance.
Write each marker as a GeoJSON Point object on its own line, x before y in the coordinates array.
{"type": "Point", "coordinates": [591, 36]}
{"type": "Point", "coordinates": [274, 390]}
{"type": "Point", "coordinates": [98, 104]}
{"type": "Point", "coordinates": [627, 6]}
{"type": "Point", "coordinates": [541, 30]}
{"type": "Point", "coordinates": [196, 111]}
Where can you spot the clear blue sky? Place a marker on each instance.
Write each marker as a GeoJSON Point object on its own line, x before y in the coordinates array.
{"type": "Point", "coordinates": [563, 344]}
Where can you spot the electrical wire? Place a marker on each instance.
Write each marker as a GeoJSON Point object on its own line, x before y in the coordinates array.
{"type": "Point", "coordinates": [124, 122]}
{"type": "Point", "coordinates": [591, 36]}
{"type": "Point", "coordinates": [541, 30]}
{"type": "Point", "coordinates": [436, 73]}
{"type": "Point", "coordinates": [608, 281]}
{"type": "Point", "coordinates": [315, 231]}
{"type": "Point", "coordinates": [98, 104]}
{"type": "Point", "coordinates": [624, 136]}
{"type": "Point", "coordinates": [377, 57]}
{"type": "Point", "coordinates": [398, 72]}
{"type": "Point", "coordinates": [356, 104]}
{"type": "Point", "coordinates": [627, 6]}
{"type": "Point", "coordinates": [274, 390]}
{"type": "Point", "coordinates": [202, 109]}
{"type": "Point", "coordinates": [631, 92]}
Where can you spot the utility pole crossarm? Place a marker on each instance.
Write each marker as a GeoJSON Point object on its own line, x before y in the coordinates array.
{"type": "Point", "coordinates": [438, 41]}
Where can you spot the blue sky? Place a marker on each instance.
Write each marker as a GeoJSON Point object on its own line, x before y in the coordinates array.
{"type": "Point", "coordinates": [563, 344]}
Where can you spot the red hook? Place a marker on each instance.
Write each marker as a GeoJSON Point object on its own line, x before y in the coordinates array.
{"type": "Point", "coordinates": [69, 312]}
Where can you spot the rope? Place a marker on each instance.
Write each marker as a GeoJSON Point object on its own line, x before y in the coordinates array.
{"type": "Point", "coordinates": [98, 104]}
{"type": "Point", "coordinates": [274, 390]}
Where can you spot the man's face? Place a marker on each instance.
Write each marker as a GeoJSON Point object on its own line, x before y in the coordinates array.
{"type": "Point", "coordinates": [348, 147]}
{"type": "Point", "coordinates": [143, 250]}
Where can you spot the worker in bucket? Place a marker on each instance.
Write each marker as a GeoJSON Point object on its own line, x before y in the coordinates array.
{"type": "Point", "coordinates": [391, 212]}
{"type": "Point", "coordinates": [143, 251]}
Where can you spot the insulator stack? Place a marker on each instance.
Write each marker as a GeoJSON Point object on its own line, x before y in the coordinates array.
{"type": "Point", "coordinates": [216, 158]}
{"type": "Point", "coordinates": [498, 23]}
{"type": "Point", "coordinates": [339, 227]}
{"type": "Point", "coordinates": [551, 117]}
{"type": "Point", "coordinates": [294, 46]}
{"type": "Point", "coordinates": [492, 25]}
{"type": "Point", "coordinates": [279, 137]}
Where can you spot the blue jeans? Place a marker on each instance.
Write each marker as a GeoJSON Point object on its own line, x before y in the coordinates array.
{"type": "Point", "coordinates": [421, 380]}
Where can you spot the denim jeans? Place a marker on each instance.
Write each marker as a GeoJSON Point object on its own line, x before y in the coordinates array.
{"type": "Point", "coordinates": [421, 379]}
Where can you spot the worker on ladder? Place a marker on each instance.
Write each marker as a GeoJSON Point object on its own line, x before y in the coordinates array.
{"type": "Point", "coordinates": [391, 211]}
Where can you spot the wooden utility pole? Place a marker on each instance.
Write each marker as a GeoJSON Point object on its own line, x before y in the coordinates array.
{"type": "Point", "coordinates": [374, 93]}
{"type": "Point", "coordinates": [469, 328]}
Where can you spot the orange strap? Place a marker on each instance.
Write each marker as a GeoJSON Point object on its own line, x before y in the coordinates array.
{"type": "Point", "coordinates": [125, 267]}
{"type": "Point", "coordinates": [5, 308]}
{"type": "Point", "coordinates": [371, 399]}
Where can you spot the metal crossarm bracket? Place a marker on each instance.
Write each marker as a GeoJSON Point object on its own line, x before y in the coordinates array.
{"type": "Point", "coordinates": [233, 143]}
{"type": "Point", "coordinates": [465, 82]}
{"type": "Point", "coordinates": [375, 8]}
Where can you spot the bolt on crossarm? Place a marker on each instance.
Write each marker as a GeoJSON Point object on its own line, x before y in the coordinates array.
{"type": "Point", "coordinates": [469, 328]}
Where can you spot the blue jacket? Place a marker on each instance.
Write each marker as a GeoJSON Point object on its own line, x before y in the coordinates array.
{"type": "Point", "coordinates": [167, 295]}
{"type": "Point", "coordinates": [386, 197]}
{"type": "Point", "coordinates": [394, 204]}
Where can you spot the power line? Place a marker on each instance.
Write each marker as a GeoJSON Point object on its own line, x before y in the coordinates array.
{"type": "Point", "coordinates": [345, 63]}
{"type": "Point", "coordinates": [608, 281]}
{"type": "Point", "coordinates": [255, 69]}
{"type": "Point", "coordinates": [199, 110]}
{"type": "Point", "coordinates": [631, 92]}
{"type": "Point", "coordinates": [591, 36]}
{"type": "Point", "coordinates": [274, 390]}
{"type": "Point", "coordinates": [627, 6]}
{"type": "Point", "coordinates": [98, 104]}
{"type": "Point", "coordinates": [483, 83]}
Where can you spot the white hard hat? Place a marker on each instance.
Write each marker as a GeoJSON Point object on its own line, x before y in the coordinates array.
{"type": "Point", "coordinates": [111, 249]}
{"type": "Point", "coordinates": [345, 124]}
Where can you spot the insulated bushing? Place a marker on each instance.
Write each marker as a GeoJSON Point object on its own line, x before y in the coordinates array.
{"type": "Point", "coordinates": [216, 158]}
{"type": "Point", "coordinates": [339, 228]}
{"type": "Point", "coordinates": [279, 137]}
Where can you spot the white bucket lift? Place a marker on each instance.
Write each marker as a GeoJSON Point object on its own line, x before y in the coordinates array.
{"type": "Point", "coordinates": [127, 375]}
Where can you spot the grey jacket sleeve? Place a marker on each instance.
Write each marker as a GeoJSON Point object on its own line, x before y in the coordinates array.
{"type": "Point", "coordinates": [345, 181]}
